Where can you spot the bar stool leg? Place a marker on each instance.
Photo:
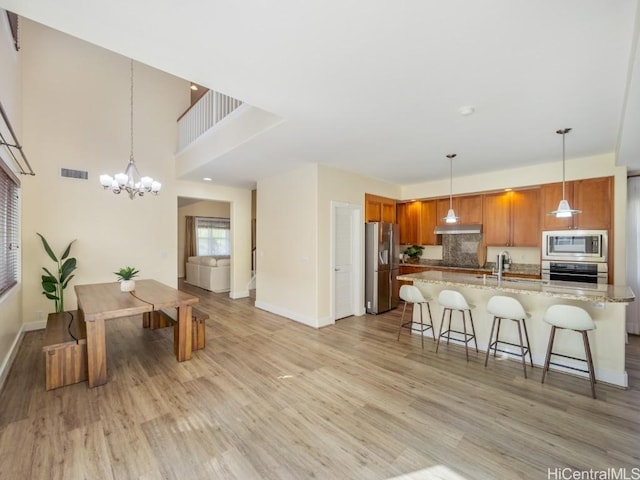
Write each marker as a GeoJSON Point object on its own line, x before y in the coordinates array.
{"type": "Point", "coordinates": [526, 336]}
{"type": "Point", "coordinates": [449, 327]}
{"type": "Point", "coordinates": [548, 357]}
{"type": "Point", "coordinates": [495, 345]}
{"type": "Point", "coordinates": [433, 331]}
{"type": "Point", "coordinates": [444, 310]}
{"type": "Point", "coordinates": [473, 330]}
{"type": "Point", "coordinates": [592, 377]}
{"type": "Point", "coordinates": [522, 354]}
{"type": "Point", "coordinates": [493, 325]}
{"type": "Point", "coordinates": [421, 326]}
{"type": "Point", "coordinates": [402, 319]}
{"type": "Point", "coordinates": [464, 329]}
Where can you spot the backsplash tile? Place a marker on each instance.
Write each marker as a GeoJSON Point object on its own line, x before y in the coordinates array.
{"type": "Point", "coordinates": [461, 250]}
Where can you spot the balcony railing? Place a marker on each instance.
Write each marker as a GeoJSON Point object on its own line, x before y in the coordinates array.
{"type": "Point", "coordinates": [209, 110]}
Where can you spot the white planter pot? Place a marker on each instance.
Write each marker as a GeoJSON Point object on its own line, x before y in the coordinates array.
{"type": "Point", "coordinates": [127, 285]}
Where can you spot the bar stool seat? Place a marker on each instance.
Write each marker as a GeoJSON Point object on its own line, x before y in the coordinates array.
{"type": "Point", "coordinates": [573, 318]}
{"type": "Point", "coordinates": [507, 308]}
{"type": "Point", "coordinates": [412, 295]}
{"type": "Point", "coordinates": [451, 300]}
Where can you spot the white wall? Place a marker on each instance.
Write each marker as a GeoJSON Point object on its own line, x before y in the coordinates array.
{"type": "Point", "coordinates": [204, 208]}
{"type": "Point", "coordinates": [76, 115]}
{"type": "Point", "coordinates": [10, 96]}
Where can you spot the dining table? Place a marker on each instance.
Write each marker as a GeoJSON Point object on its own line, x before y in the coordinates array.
{"type": "Point", "coordinates": [100, 302]}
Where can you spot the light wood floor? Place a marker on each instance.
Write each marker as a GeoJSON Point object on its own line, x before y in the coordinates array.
{"type": "Point", "coordinates": [270, 398]}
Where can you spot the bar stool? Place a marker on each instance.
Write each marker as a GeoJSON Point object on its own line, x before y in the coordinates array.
{"type": "Point", "coordinates": [570, 318]}
{"type": "Point", "coordinates": [507, 308]}
{"type": "Point", "coordinates": [451, 300]}
{"type": "Point", "coordinates": [411, 294]}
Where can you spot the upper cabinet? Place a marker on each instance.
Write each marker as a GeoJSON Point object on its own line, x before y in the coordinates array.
{"type": "Point", "coordinates": [468, 208]}
{"type": "Point", "coordinates": [408, 215]}
{"type": "Point", "coordinates": [379, 209]}
{"type": "Point", "coordinates": [593, 196]}
{"type": "Point", "coordinates": [511, 219]}
{"type": "Point", "coordinates": [417, 222]}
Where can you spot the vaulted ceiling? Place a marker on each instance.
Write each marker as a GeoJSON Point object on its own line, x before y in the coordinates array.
{"type": "Point", "coordinates": [377, 86]}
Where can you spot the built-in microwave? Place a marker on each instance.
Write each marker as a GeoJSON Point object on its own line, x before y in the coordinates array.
{"type": "Point", "coordinates": [575, 245]}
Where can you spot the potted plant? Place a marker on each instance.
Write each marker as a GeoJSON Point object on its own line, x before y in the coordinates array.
{"type": "Point", "coordinates": [125, 276]}
{"type": "Point", "coordinates": [53, 285]}
{"type": "Point", "coordinates": [414, 252]}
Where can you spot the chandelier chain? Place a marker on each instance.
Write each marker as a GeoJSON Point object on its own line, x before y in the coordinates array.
{"type": "Point", "coordinates": [131, 107]}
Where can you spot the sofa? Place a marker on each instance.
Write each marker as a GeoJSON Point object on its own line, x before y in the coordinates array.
{"type": "Point", "coordinates": [211, 273]}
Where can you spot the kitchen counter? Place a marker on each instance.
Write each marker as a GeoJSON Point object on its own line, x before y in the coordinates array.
{"type": "Point", "coordinates": [605, 303]}
{"type": "Point", "coordinates": [514, 269]}
{"type": "Point", "coordinates": [527, 286]}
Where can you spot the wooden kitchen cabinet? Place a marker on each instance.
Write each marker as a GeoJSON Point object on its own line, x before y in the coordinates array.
{"type": "Point", "coordinates": [379, 209]}
{"type": "Point", "coordinates": [428, 222]}
{"type": "Point", "coordinates": [511, 219]}
{"type": "Point", "coordinates": [416, 222]}
{"type": "Point", "coordinates": [468, 208]}
{"type": "Point", "coordinates": [593, 196]}
{"type": "Point", "coordinates": [408, 215]}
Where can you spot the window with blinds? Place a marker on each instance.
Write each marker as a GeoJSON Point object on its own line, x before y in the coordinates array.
{"type": "Point", "coordinates": [213, 236]}
{"type": "Point", "coordinates": [9, 231]}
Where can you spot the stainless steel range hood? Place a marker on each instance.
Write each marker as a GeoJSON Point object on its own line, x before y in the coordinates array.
{"type": "Point", "coordinates": [458, 229]}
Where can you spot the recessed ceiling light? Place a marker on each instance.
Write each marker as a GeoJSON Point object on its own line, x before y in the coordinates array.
{"type": "Point", "coordinates": [206, 179]}
{"type": "Point", "coordinates": [466, 110]}
{"type": "Point", "coordinates": [194, 86]}
{"type": "Point", "coordinates": [508, 189]}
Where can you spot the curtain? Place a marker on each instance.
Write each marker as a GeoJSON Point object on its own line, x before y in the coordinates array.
{"type": "Point", "coordinates": [633, 253]}
{"type": "Point", "coordinates": [189, 238]}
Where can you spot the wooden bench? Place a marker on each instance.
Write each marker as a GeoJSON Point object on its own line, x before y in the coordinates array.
{"type": "Point", "coordinates": [167, 318]}
{"type": "Point", "coordinates": [65, 357]}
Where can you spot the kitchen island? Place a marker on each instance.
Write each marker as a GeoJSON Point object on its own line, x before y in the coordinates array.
{"type": "Point", "coordinates": [605, 303]}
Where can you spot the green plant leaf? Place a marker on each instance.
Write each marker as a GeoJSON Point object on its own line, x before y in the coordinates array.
{"type": "Point", "coordinates": [64, 285]}
{"type": "Point", "coordinates": [67, 267]}
{"type": "Point", "coordinates": [47, 248]}
{"type": "Point", "coordinates": [66, 252]}
{"type": "Point", "coordinates": [51, 297]}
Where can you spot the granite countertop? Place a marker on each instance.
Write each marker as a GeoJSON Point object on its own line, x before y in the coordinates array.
{"type": "Point", "coordinates": [514, 269]}
{"type": "Point", "coordinates": [527, 286]}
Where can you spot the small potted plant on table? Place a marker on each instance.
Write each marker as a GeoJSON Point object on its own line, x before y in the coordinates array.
{"type": "Point", "coordinates": [125, 276]}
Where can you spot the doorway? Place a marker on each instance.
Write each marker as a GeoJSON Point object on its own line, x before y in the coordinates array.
{"type": "Point", "coordinates": [347, 276]}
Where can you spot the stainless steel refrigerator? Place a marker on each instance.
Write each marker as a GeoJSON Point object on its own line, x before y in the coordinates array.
{"type": "Point", "coordinates": [382, 263]}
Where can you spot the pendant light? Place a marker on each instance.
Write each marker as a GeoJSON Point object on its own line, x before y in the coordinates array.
{"type": "Point", "coordinates": [563, 210]}
{"type": "Point", "coordinates": [451, 215]}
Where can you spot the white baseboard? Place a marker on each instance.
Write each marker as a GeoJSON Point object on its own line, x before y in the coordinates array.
{"type": "Point", "coordinates": [243, 294]}
{"type": "Point", "coordinates": [311, 322]}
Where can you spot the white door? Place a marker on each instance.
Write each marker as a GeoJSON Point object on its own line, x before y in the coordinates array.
{"type": "Point", "coordinates": [343, 262]}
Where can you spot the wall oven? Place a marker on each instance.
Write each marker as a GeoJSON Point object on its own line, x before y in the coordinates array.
{"type": "Point", "coordinates": [575, 246]}
{"type": "Point", "coordinates": [583, 272]}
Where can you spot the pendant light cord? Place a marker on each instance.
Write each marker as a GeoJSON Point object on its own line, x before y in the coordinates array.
{"type": "Point", "coordinates": [451, 156]}
{"type": "Point", "coordinates": [563, 132]}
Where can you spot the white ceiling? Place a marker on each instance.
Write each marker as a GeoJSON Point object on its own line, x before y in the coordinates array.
{"type": "Point", "coordinates": [375, 86]}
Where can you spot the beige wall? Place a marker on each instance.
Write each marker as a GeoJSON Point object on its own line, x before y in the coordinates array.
{"type": "Point", "coordinates": [287, 236]}
{"type": "Point", "coordinates": [76, 115]}
{"type": "Point", "coordinates": [10, 96]}
{"type": "Point", "coordinates": [204, 208]}
{"type": "Point", "coordinates": [294, 238]}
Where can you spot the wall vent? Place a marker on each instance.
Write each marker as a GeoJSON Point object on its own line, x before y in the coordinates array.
{"type": "Point", "coordinates": [68, 172]}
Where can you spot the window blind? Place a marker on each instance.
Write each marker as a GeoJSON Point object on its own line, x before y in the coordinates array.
{"type": "Point", "coordinates": [9, 231]}
{"type": "Point", "coordinates": [213, 235]}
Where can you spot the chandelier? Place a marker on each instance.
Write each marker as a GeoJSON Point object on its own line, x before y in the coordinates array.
{"type": "Point", "coordinates": [130, 181]}
{"type": "Point", "coordinates": [563, 210]}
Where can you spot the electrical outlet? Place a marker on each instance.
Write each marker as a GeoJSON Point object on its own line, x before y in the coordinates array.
{"type": "Point", "coordinates": [40, 315]}
{"type": "Point", "coordinates": [598, 305]}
